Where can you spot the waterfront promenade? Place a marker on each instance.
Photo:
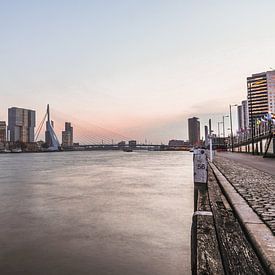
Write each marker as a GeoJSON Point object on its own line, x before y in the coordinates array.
{"type": "Point", "coordinates": [254, 179]}
{"type": "Point", "coordinates": [257, 162]}
{"type": "Point", "coordinates": [234, 226]}
{"type": "Point", "coordinates": [248, 184]}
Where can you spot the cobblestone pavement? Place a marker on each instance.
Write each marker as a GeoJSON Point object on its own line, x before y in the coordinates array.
{"type": "Point", "coordinates": [264, 164]}
{"type": "Point", "coordinates": [255, 186]}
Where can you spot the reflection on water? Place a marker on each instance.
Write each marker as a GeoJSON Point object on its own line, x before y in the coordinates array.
{"type": "Point", "coordinates": [95, 213]}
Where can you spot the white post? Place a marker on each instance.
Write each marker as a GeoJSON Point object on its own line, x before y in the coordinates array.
{"type": "Point", "coordinates": [200, 166]}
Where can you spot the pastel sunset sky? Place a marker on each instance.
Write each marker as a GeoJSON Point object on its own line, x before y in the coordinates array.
{"type": "Point", "coordinates": [139, 68]}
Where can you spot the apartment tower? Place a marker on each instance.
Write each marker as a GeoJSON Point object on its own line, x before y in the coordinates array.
{"type": "Point", "coordinates": [194, 131]}
{"type": "Point", "coordinates": [21, 123]}
{"type": "Point", "coordinates": [3, 131]}
{"type": "Point", "coordinates": [67, 135]}
{"type": "Point", "coordinates": [261, 94]}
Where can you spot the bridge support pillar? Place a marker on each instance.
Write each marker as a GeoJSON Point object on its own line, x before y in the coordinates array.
{"type": "Point", "coordinates": [257, 148]}
{"type": "Point", "coordinates": [261, 147]}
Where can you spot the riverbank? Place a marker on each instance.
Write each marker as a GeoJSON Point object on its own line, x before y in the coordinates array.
{"type": "Point", "coordinates": [241, 204]}
{"type": "Point", "coordinates": [219, 244]}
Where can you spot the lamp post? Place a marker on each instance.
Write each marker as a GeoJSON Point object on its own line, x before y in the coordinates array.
{"type": "Point", "coordinates": [223, 125]}
{"type": "Point", "coordinates": [230, 113]}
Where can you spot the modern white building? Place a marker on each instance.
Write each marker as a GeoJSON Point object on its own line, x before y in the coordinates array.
{"type": "Point", "coordinates": [270, 79]}
{"type": "Point", "coordinates": [261, 94]}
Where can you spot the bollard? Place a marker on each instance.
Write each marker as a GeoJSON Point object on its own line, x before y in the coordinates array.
{"type": "Point", "coordinates": [200, 166]}
{"type": "Point", "coordinates": [200, 173]}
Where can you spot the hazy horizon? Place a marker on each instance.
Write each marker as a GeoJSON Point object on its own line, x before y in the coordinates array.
{"type": "Point", "coordinates": [139, 68]}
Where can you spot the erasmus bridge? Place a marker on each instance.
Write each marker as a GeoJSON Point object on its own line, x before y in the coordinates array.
{"type": "Point", "coordinates": [90, 136]}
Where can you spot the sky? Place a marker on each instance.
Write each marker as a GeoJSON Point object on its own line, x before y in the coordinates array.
{"type": "Point", "coordinates": [139, 68]}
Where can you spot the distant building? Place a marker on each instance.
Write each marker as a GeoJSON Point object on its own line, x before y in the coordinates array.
{"type": "Point", "coordinates": [219, 142]}
{"type": "Point", "coordinates": [176, 143]}
{"type": "Point", "coordinates": [3, 131]}
{"type": "Point", "coordinates": [132, 144]}
{"type": "Point", "coordinates": [243, 122]}
{"type": "Point", "coordinates": [245, 115]}
{"type": "Point", "coordinates": [210, 126]}
{"type": "Point", "coordinates": [261, 94]}
{"type": "Point", "coordinates": [121, 144]}
{"type": "Point", "coordinates": [206, 133]}
{"type": "Point", "coordinates": [21, 123]}
{"type": "Point", "coordinates": [67, 135]}
{"type": "Point", "coordinates": [194, 131]}
{"type": "Point", "coordinates": [240, 117]}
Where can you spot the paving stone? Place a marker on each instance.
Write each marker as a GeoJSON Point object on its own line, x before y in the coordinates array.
{"type": "Point", "coordinates": [255, 186]}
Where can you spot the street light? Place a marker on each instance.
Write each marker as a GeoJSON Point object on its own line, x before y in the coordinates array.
{"type": "Point", "coordinates": [230, 113]}
{"type": "Point", "coordinates": [223, 125]}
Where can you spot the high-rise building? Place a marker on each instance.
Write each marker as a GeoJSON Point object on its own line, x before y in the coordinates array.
{"type": "Point", "coordinates": [21, 123]}
{"type": "Point", "coordinates": [194, 131]}
{"type": "Point", "coordinates": [240, 117]}
{"type": "Point", "coordinates": [210, 126]}
{"type": "Point", "coordinates": [205, 132]}
{"type": "Point", "coordinates": [3, 131]}
{"type": "Point", "coordinates": [261, 94]}
{"type": "Point", "coordinates": [245, 115]}
{"type": "Point", "coordinates": [206, 135]}
{"type": "Point", "coordinates": [67, 135]}
{"type": "Point", "coordinates": [243, 122]}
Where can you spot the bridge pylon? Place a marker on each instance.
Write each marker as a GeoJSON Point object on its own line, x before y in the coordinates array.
{"type": "Point", "coordinates": [50, 136]}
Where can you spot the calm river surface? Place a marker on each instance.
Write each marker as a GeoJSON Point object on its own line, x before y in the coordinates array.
{"type": "Point", "coordinates": [96, 213]}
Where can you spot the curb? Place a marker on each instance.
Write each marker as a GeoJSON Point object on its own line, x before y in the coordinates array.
{"type": "Point", "coordinates": [259, 234]}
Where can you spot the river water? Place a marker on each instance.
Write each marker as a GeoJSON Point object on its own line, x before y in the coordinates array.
{"type": "Point", "coordinates": [96, 212]}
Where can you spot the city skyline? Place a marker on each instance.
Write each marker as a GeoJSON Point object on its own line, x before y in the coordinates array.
{"type": "Point", "coordinates": [140, 69]}
{"type": "Point", "coordinates": [92, 133]}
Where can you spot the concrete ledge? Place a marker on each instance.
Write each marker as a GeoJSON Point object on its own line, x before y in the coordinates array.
{"type": "Point", "coordinates": [259, 234]}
